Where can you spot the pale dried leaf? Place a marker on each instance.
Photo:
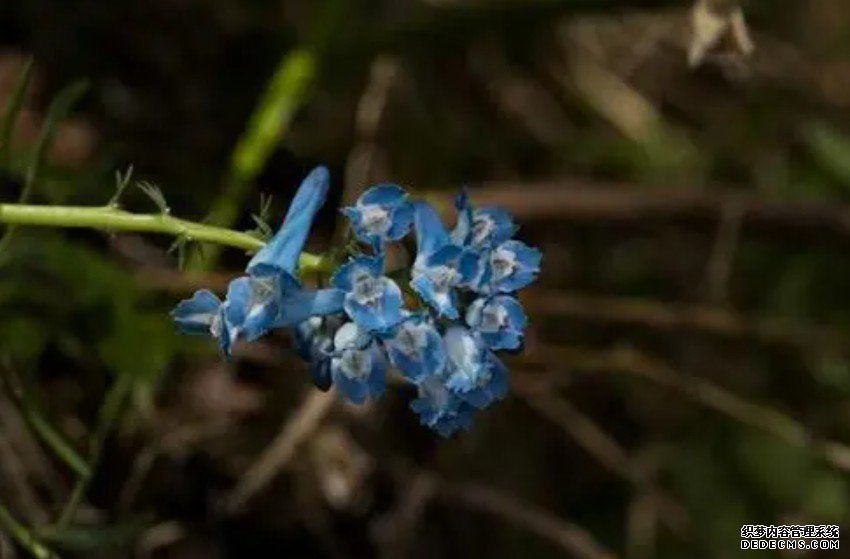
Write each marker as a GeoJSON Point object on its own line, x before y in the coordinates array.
{"type": "Point", "coordinates": [715, 24]}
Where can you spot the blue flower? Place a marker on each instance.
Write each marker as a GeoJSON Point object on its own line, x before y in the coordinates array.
{"type": "Point", "coordinates": [499, 321]}
{"type": "Point", "coordinates": [372, 300]}
{"type": "Point", "coordinates": [280, 255]}
{"type": "Point", "coordinates": [205, 314]}
{"type": "Point", "coordinates": [479, 228]}
{"type": "Point", "coordinates": [440, 409]}
{"type": "Point", "coordinates": [416, 349]}
{"type": "Point", "coordinates": [358, 365]}
{"type": "Point", "coordinates": [270, 295]}
{"type": "Point", "coordinates": [475, 374]}
{"type": "Point", "coordinates": [440, 266]}
{"type": "Point", "coordinates": [507, 268]}
{"type": "Point", "coordinates": [314, 344]}
{"type": "Point", "coordinates": [381, 214]}
{"type": "Point", "coordinates": [275, 296]}
{"type": "Point", "coordinates": [199, 314]}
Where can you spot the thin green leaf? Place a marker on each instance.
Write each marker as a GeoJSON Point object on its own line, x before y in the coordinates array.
{"type": "Point", "coordinates": [48, 434]}
{"type": "Point", "coordinates": [58, 110]}
{"type": "Point", "coordinates": [287, 91]}
{"type": "Point", "coordinates": [56, 113]}
{"type": "Point", "coordinates": [122, 181]}
{"type": "Point", "coordinates": [263, 230]}
{"type": "Point", "coordinates": [831, 148]}
{"type": "Point", "coordinates": [107, 419]}
{"type": "Point", "coordinates": [154, 192]}
{"type": "Point", "coordinates": [13, 112]}
{"type": "Point", "coordinates": [285, 94]}
{"type": "Point", "coordinates": [23, 536]}
{"type": "Point", "coordinates": [179, 246]}
{"type": "Point", "coordinates": [93, 538]}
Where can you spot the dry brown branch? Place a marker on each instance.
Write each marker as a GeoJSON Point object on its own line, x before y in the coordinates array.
{"type": "Point", "coordinates": [578, 201]}
{"type": "Point", "coordinates": [602, 447]}
{"type": "Point", "coordinates": [395, 532]}
{"type": "Point", "coordinates": [632, 362]}
{"type": "Point", "coordinates": [641, 526]}
{"type": "Point", "coordinates": [280, 452]}
{"type": "Point", "coordinates": [648, 313]}
{"type": "Point", "coordinates": [678, 317]}
{"type": "Point", "coordinates": [723, 254]}
{"type": "Point", "coordinates": [367, 160]}
{"type": "Point", "coordinates": [572, 538]}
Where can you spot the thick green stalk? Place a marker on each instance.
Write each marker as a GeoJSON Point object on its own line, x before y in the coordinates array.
{"type": "Point", "coordinates": [109, 218]}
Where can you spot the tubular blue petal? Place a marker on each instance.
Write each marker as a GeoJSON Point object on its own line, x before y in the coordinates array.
{"type": "Point", "coordinates": [294, 308]}
{"type": "Point", "coordinates": [232, 314]}
{"type": "Point", "coordinates": [435, 278]}
{"type": "Point", "coordinates": [343, 278]}
{"type": "Point", "coordinates": [492, 226]}
{"type": "Point", "coordinates": [416, 349]}
{"type": "Point", "coordinates": [440, 409]}
{"type": "Point", "coordinates": [431, 235]}
{"type": "Point", "coordinates": [510, 267]}
{"type": "Point", "coordinates": [499, 320]}
{"type": "Point", "coordinates": [196, 315]}
{"type": "Point", "coordinates": [283, 250]}
{"type": "Point", "coordinates": [327, 301]}
{"type": "Point", "coordinates": [377, 381]}
{"type": "Point", "coordinates": [383, 195]}
{"type": "Point", "coordinates": [474, 373]}
{"type": "Point", "coordinates": [320, 372]}
{"type": "Point", "coordinates": [493, 390]}
{"type": "Point", "coordinates": [463, 228]}
{"type": "Point", "coordinates": [444, 301]}
{"type": "Point", "coordinates": [258, 304]}
{"type": "Point", "coordinates": [381, 214]}
{"type": "Point", "coordinates": [358, 372]}
{"type": "Point", "coordinates": [305, 336]}
{"type": "Point", "coordinates": [402, 220]}
{"type": "Point", "coordinates": [483, 227]}
{"type": "Point", "coordinates": [372, 300]}
{"type": "Point", "coordinates": [314, 344]}
{"type": "Point", "coordinates": [355, 390]}
{"type": "Point", "coordinates": [380, 316]}
{"type": "Point", "coordinates": [237, 302]}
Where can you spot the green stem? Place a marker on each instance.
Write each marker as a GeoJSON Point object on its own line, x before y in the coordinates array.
{"type": "Point", "coordinates": [23, 536]}
{"type": "Point", "coordinates": [109, 218]}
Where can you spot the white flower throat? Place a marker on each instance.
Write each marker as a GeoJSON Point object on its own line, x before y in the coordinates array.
{"type": "Point", "coordinates": [494, 317]}
{"type": "Point", "coordinates": [504, 263]}
{"type": "Point", "coordinates": [367, 289]}
{"type": "Point", "coordinates": [412, 339]}
{"type": "Point", "coordinates": [356, 364]}
{"type": "Point", "coordinates": [443, 277]}
{"type": "Point", "coordinates": [375, 219]}
{"type": "Point", "coordinates": [482, 227]}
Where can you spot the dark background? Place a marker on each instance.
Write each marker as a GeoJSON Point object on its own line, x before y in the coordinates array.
{"type": "Point", "coordinates": [686, 368]}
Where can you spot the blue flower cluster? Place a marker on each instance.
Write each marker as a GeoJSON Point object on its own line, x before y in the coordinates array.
{"type": "Point", "coordinates": [461, 304]}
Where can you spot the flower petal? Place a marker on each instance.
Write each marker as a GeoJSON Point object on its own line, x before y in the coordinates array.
{"type": "Point", "coordinates": [281, 253]}
{"type": "Point", "coordinates": [381, 316]}
{"type": "Point", "coordinates": [360, 374]}
{"type": "Point", "coordinates": [416, 349]}
{"type": "Point", "coordinates": [196, 315]}
{"type": "Point", "coordinates": [383, 195]}
{"type": "Point", "coordinates": [343, 278]}
{"type": "Point", "coordinates": [431, 234]}
{"type": "Point", "coordinates": [297, 307]}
